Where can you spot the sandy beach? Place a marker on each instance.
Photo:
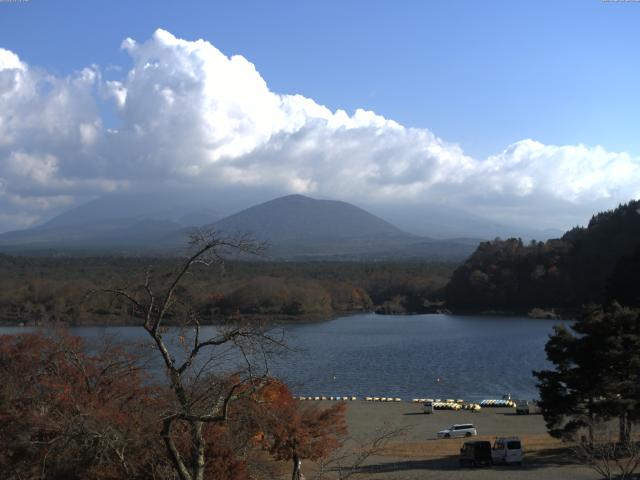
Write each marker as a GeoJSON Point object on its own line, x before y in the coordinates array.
{"type": "Point", "coordinates": [417, 454]}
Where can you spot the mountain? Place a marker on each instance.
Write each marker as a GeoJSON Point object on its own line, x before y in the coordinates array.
{"type": "Point", "coordinates": [130, 222]}
{"type": "Point", "coordinates": [122, 234]}
{"type": "Point", "coordinates": [295, 227]}
{"type": "Point", "coordinates": [592, 264]}
{"type": "Point", "coordinates": [165, 207]}
{"type": "Point", "coordinates": [296, 218]}
{"type": "Point", "coordinates": [443, 221]}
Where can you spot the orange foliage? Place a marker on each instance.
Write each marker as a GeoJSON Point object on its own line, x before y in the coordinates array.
{"type": "Point", "coordinates": [294, 431]}
{"type": "Point", "coordinates": [68, 414]}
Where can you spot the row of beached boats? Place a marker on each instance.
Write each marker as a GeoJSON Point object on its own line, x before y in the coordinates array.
{"type": "Point", "coordinates": [448, 404]}
{"type": "Point", "coordinates": [503, 403]}
{"type": "Point", "coordinates": [352, 398]}
{"type": "Point", "coordinates": [438, 404]}
{"type": "Point", "coordinates": [339, 399]}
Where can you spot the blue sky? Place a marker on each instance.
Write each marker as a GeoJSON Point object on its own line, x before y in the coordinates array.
{"type": "Point", "coordinates": [480, 73]}
{"type": "Point", "coordinates": [510, 110]}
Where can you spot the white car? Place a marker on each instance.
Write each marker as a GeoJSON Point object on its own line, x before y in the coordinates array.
{"type": "Point", "coordinates": [507, 450]}
{"type": "Point", "coordinates": [458, 430]}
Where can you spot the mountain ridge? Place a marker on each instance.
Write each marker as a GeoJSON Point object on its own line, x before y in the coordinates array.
{"type": "Point", "coordinates": [294, 226]}
{"type": "Point", "coordinates": [298, 217]}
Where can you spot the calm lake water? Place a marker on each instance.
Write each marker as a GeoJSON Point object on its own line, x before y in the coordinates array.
{"type": "Point", "coordinates": [418, 356]}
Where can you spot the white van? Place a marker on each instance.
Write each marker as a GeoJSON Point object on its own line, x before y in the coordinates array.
{"type": "Point", "coordinates": [507, 450]}
{"type": "Point", "coordinates": [458, 430]}
{"type": "Point", "coordinates": [522, 407]}
{"type": "Point", "coordinates": [427, 407]}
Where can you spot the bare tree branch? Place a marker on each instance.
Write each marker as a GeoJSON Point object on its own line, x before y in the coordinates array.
{"type": "Point", "coordinates": [199, 398]}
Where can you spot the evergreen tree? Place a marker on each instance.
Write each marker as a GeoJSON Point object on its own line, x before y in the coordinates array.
{"type": "Point", "coordinates": [623, 285]}
{"type": "Point", "coordinates": [596, 375]}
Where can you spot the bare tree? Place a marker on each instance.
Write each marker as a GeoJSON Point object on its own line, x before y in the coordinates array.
{"type": "Point", "coordinates": [203, 388]}
{"type": "Point", "coordinates": [607, 455]}
{"type": "Point", "coordinates": [352, 457]}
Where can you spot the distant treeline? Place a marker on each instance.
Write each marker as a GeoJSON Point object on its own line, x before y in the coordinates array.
{"type": "Point", "coordinates": [596, 264]}
{"type": "Point", "coordinates": [40, 290]}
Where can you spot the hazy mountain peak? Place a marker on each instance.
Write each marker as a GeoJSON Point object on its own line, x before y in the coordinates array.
{"type": "Point", "coordinates": [298, 218]}
{"type": "Point", "coordinates": [293, 197]}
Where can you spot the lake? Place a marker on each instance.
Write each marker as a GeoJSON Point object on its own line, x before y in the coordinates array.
{"type": "Point", "coordinates": [414, 356]}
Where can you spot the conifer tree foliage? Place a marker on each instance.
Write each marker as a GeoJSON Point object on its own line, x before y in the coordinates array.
{"type": "Point", "coordinates": [623, 285]}
{"type": "Point", "coordinates": [596, 374]}
{"type": "Point", "coordinates": [586, 265]}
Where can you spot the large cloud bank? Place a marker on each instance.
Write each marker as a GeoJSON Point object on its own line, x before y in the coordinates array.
{"type": "Point", "coordinates": [189, 115]}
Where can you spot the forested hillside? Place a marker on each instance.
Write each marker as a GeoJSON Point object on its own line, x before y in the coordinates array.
{"type": "Point", "coordinates": [51, 290]}
{"type": "Point", "coordinates": [599, 263]}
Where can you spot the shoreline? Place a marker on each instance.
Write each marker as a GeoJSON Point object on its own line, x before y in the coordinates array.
{"type": "Point", "coordinates": [278, 319]}
{"type": "Point", "coordinates": [214, 321]}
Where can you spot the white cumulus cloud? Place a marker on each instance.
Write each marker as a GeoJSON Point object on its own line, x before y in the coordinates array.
{"type": "Point", "coordinates": [187, 114]}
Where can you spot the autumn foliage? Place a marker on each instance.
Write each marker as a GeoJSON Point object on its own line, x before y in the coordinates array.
{"type": "Point", "coordinates": [69, 412]}
{"type": "Point", "coordinates": [293, 432]}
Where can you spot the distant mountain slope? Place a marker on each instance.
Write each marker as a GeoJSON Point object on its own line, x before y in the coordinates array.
{"type": "Point", "coordinates": [299, 218]}
{"type": "Point", "coordinates": [294, 226]}
{"type": "Point", "coordinates": [586, 265]}
{"type": "Point", "coordinates": [166, 206]}
{"type": "Point", "coordinates": [123, 221]}
{"type": "Point", "coordinates": [444, 222]}
{"type": "Point", "coordinates": [118, 236]}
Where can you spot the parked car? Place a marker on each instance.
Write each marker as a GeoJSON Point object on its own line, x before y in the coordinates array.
{"type": "Point", "coordinates": [507, 450]}
{"type": "Point", "coordinates": [427, 407]}
{"type": "Point", "coordinates": [476, 453]}
{"type": "Point", "coordinates": [522, 407]}
{"type": "Point", "coordinates": [458, 430]}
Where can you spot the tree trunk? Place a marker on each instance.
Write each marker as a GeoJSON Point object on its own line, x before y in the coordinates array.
{"type": "Point", "coordinates": [198, 450]}
{"type": "Point", "coordinates": [624, 428]}
{"type": "Point", "coordinates": [296, 468]}
{"type": "Point", "coordinates": [174, 454]}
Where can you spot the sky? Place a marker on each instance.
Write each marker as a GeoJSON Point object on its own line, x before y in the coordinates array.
{"type": "Point", "coordinates": [512, 110]}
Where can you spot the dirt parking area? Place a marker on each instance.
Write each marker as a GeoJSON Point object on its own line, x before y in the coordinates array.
{"type": "Point", "coordinates": [418, 454]}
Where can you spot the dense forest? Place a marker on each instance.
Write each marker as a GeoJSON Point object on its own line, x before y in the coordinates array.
{"type": "Point", "coordinates": [595, 264]}
{"type": "Point", "coordinates": [39, 290]}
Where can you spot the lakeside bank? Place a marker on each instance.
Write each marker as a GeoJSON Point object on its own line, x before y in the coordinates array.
{"type": "Point", "coordinates": [418, 455]}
